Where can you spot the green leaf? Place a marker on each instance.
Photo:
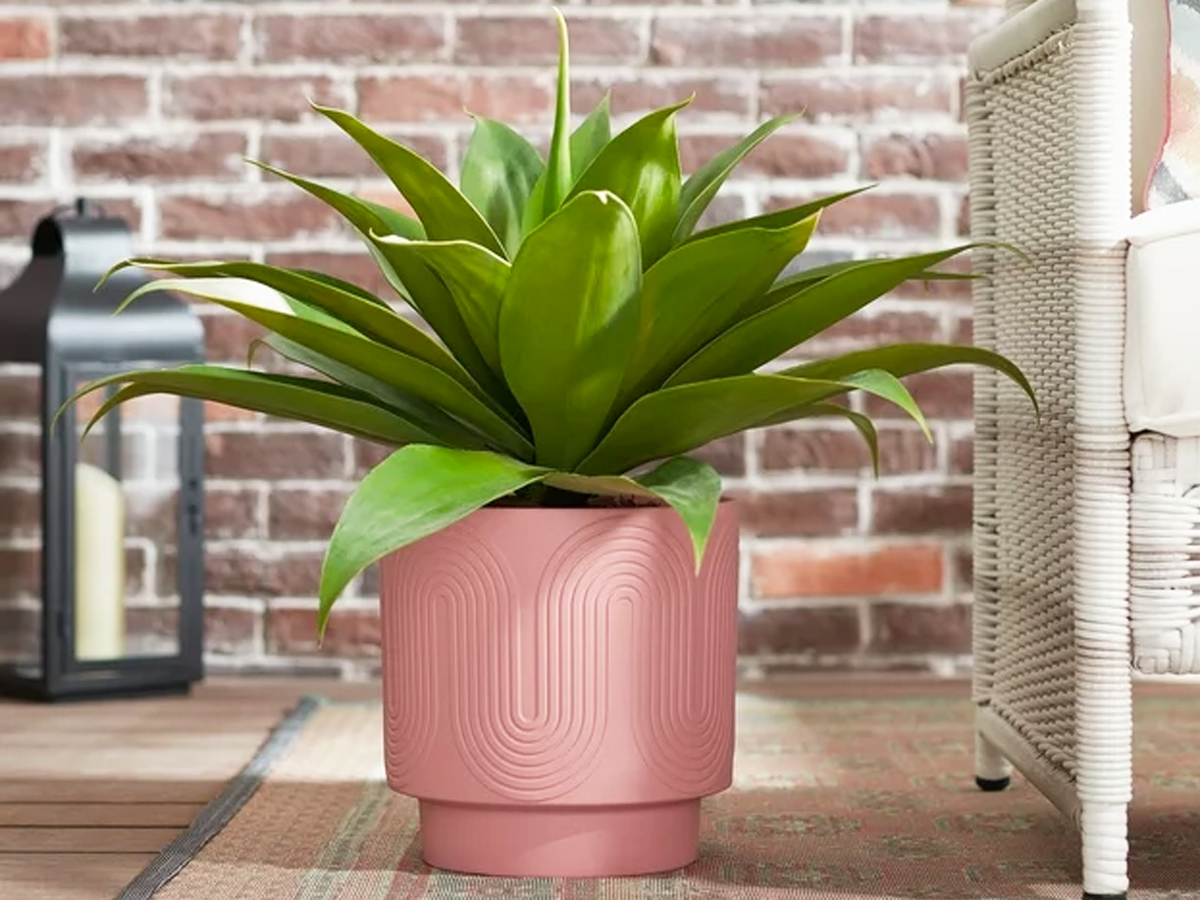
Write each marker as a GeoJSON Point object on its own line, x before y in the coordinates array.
{"type": "Point", "coordinates": [908, 359]}
{"type": "Point", "coordinates": [364, 215]}
{"type": "Point", "coordinates": [780, 218]}
{"type": "Point", "coordinates": [443, 428]}
{"type": "Point", "coordinates": [499, 171]}
{"type": "Point", "coordinates": [699, 190]}
{"type": "Point", "coordinates": [690, 487]}
{"type": "Point", "coordinates": [679, 419]}
{"type": "Point", "coordinates": [304, 399]}
{"type": "Point", "coordinates": [558, 163]}
{"type": "Point", "coordinates": [698, 290]}
{"type": "Point", "coordinates": [412, 494]}
{"type": "Point", "coordinates": [772, 332]}
{"type": "Point", "coordinates": [693, 489]}
{"type": "Point", "coordinates": [786, 288]}
{"type": "Point", "coordinates": [430, 297]}
{"type": "Point", "coordinates": [339, 300]}
{"type": "Point", "coordinates": [889, 387]}
{"type": "Point", "coordinates": [586, 143]}
{"type": "Point", "coordinates": [476, 280]}
{"type": "Point", "coordinates": [641, 166]}
{"type": "Point", "coordinates": [413, 376]}
{"type": "Point", "coordinates": [591, 137]}
{"type": "Point", "coordinates": [568, 322]}
{"type": "Point", "coordinates": [445, 213]}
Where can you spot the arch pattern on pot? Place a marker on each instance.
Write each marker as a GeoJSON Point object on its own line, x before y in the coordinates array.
{"type": "Point", "coordinates": [537, 737]}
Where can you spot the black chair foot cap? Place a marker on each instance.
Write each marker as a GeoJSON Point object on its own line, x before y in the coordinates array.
{"type": "Point", "coordinates": [992, 785]}
{"type": "Point", "coordinates": [1088, 896]}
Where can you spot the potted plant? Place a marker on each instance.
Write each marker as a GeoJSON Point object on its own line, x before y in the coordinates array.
{"type": "Point", "coordinates": [559, 579]}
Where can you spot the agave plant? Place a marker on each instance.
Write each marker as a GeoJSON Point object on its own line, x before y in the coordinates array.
{"type": "Point", "coordinates": [587, 336]}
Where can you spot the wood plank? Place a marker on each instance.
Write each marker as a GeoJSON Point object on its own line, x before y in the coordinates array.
{"type": "Point", "coordinates": [75, 815]}
{"type": "Point", "coordinates": [85, 840]}
{"type": "Point", "coordinates": [72, 790]}
{"type": "Point", "coordinates": [69, 876]}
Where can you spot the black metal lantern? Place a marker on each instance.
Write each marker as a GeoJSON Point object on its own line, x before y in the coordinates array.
{"type": "Point", "coordinates": [101, 539]}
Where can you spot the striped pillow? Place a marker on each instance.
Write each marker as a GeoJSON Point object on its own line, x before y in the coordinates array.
{"type": "Point", "coordinates": [1176, 175]}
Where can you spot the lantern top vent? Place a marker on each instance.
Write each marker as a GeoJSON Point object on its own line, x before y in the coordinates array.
{"type": "Point", "coordinates": [53, 309]}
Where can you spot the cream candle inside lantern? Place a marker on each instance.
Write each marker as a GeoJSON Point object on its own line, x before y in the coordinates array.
{"type": "Point", "coordinates": [99, 565]}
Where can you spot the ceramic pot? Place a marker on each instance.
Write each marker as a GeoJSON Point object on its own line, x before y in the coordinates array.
{"type": "Point", "coordinates": [559, 688]}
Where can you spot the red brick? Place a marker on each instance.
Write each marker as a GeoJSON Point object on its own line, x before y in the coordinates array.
{"type": "Point", "coordinates": [778, 632]}
{"type": "Point", "coordinates": [22, 161]}
{"type": "Point", "coordinates": [24, 38]}
{"type": "Point", "coordinates": [20, 634]}
{"type": "Point", "coordinates": [336, 156]}
{"type": "Point", "coordinates": [962, 456]}
{"type": "Point", "coordinates": [228, 336]}
{"type": "Point", "coordinates": [304, 514]}
{"type": "Point", "coordinates": [923, 511]}
{"type": "Point", "coordinates": [925, 39]}
{"type": "Point", "coordinates": [20, 512]}
{"type": "Point", "coordinates": [799, 513]}
{"type": "Point", "coordinates": [364, 38]}
{"type": "Point", "coordinates": [20, 395]}
{"type": "Point", "coordinates": [230, 513]}
{"type": "Point", "coordinates": [814, 450]}
{"type": "Point", "coordinates": [875, 215]}
{"type": "Point", "coordinates": [964, 331]}
{"type": "Point", "coordinates": [232, 630]}
{"type": "Point", "coordinates": [424, 98]}
{"type": "Point", "coordinates": [276, 573]}
{"type": "Point", "coordinates": [20, 454]}
{"type": "Point", "coordinates": [858, 96]}
{"type": "Point", "coordinates": [782, 156]}
{"type": "Point", "coordinates": [207, 156]}
{"type": "Point", "coordinates": [219, 412]}
{"type": "Point", "coordinates": [276, 98]}
{"type": "Point", "coordinates": [533, 40]}
{"type": "Point", "coordinates": [870, 328]}
{"type": "Point", "coordinates": [357, 268]}
{"type": "Point", "coordinates": [352, 632]}
{"type": "Point", "coordinates": [274, 455]}
{"type": "Point", "coordinates": [368, 455]}
{"type": "Point", "coordinates": [20, 573]}
{"type": "Point", "coordinates": [18, 217]}
{"type": "Point", "coordinates": [962, 224]}
{"type": "Point", "coordinates": [801, 570]}
{"type": "Point", "coordinates": [944, 394]}
{"type": "Point", "coordinates": [653, 90]}
{"type": "Point", "coordinates": [908, 628]}
{"type": "Point", "coordinates": [727, 456]}
{"type": "Point", "coordinates": [176, 37]}
{"type": "Point", "coordinates": [963, 563]}
{"type": "Point", "coordinates": [245, 218]}
{"type": "Point", "coordinates": [71, 99]}
{"type": "Point", "coordinates": [757, 40]}
{"type": "Point", "coordinates": [938, 157]}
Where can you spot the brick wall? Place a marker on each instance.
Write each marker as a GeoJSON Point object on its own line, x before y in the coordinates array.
{"type": "Point", "coordinates": [148, 106]}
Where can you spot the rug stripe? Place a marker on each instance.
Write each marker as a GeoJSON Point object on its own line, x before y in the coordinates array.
{"type": "Point", "coordinates": [220, 811]}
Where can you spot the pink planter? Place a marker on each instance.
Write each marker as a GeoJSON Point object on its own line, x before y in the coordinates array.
{"type": "Point", "coordinates": [559, 688]}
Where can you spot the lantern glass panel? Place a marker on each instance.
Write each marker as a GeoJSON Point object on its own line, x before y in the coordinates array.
{"type": "Point", "coordinates": [21, 520]}
{"type": "Point", "coordinates": [126, 526]}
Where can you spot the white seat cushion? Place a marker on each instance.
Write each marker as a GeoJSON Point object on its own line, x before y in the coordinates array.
{"type": "Point", "coordinates": [1162, 353]}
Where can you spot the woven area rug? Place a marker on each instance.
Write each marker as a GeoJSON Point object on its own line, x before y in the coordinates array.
{"type": "Point", "coordinates": [835, 797]}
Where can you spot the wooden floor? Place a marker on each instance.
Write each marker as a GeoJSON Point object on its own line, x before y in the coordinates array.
{"type": "Point", "coordinates": [90, 792]}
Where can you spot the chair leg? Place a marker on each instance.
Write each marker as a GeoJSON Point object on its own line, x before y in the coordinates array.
{"type": "Point", "coordinates": [1104, 829]}
{"type": "Point", "coordinates": [992, 771]}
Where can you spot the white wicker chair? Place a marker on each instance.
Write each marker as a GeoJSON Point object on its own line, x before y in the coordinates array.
{"type": "Point", "coordinates": [1087, 537]}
